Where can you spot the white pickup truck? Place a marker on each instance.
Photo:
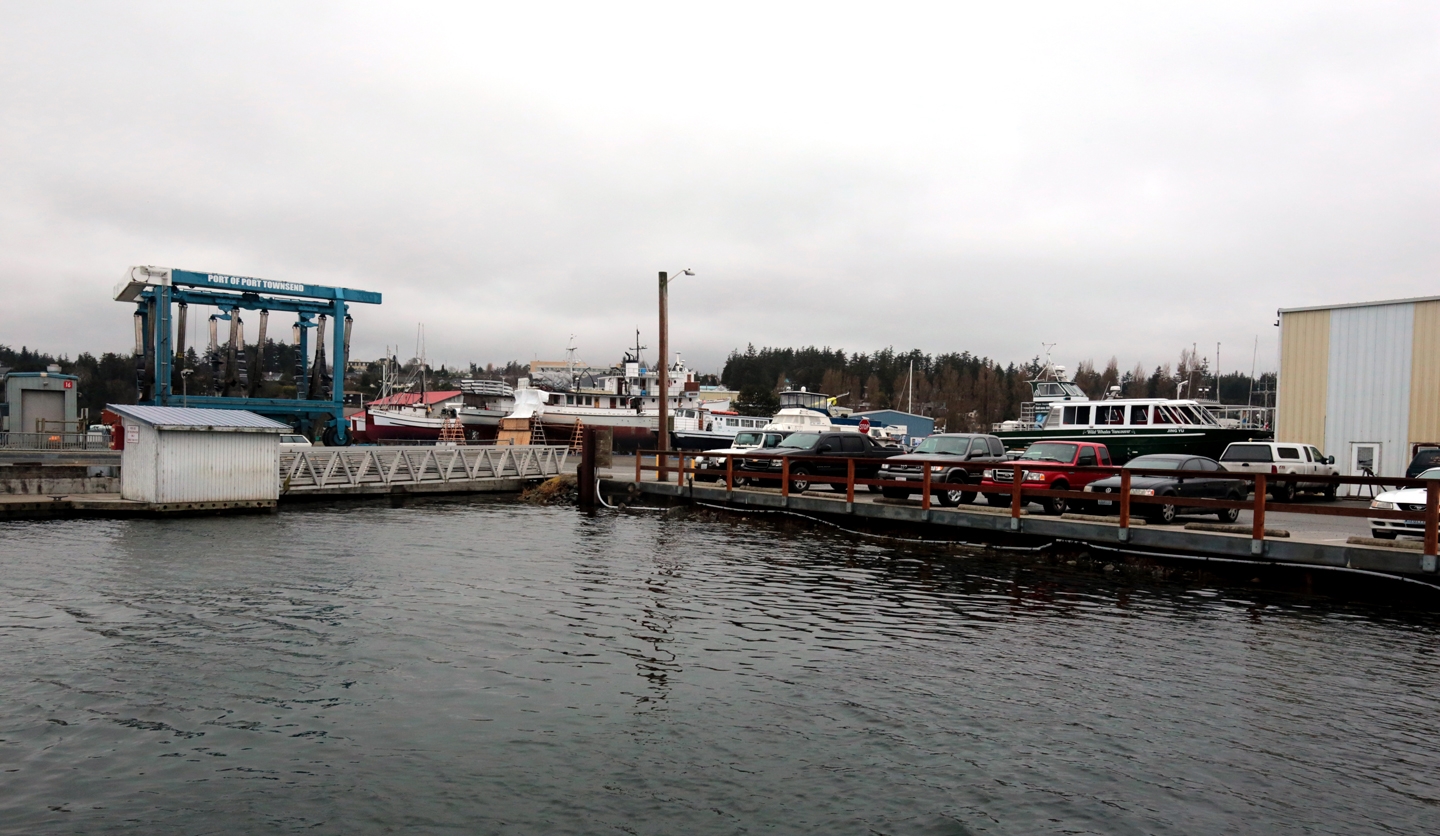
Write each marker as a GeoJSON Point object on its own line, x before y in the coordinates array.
{"type": "Point", "coordinates": [1282, 457]}
{"type": "Point", "coordinates": [757, 440]}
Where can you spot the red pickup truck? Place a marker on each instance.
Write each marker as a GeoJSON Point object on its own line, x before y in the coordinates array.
{"type": "Point", "coordinates": [1055, 462]}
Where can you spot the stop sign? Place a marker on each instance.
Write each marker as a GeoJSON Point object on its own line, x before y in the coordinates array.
{"type": "Point", "coordinates": [864, 425]}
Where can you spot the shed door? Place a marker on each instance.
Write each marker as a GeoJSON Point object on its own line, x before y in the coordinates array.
{"type": "Point", "coordinates": [39, 403]}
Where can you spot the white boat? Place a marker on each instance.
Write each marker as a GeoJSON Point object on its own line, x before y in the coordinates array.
{"type": "Point", "coordinates": [485, 402]}
{"type": "Point", "coordinates": [627, 401]}
{"type": "Point", "coordinates": [701, 428]}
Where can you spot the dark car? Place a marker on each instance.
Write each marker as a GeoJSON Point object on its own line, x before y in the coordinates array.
{"type": "Point", "coordinates": [960, 447]}
{"type": "Point", "coordinates": [1425, 458]}
{"type": "Point", "coordinates": [837, 448]}
{"type": "Point", "coordinates": [1194, 476]}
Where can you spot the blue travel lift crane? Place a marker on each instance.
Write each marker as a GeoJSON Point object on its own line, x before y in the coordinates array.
{"type": "Point", "coordinates": [154, 290]}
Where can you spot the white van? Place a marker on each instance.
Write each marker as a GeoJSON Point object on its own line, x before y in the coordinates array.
{"type": "Point", "coordinates": [1282, 457]}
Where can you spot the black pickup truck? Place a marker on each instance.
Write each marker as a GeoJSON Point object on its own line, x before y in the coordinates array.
{"type": "Point", "coordinates": [837, 448]}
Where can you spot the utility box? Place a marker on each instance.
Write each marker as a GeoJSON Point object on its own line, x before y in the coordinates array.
{"type": "Point", "coordinates": [175, 454]}
{"type": "Point", "coordinates": [41, 402]}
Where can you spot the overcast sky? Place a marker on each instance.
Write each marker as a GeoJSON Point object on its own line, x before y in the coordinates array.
{"type": "Point", "coordinates": [1117, 179]}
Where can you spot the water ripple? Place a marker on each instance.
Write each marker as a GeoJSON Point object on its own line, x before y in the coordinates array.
{"type": "Point", "coordinates": [491, 667]}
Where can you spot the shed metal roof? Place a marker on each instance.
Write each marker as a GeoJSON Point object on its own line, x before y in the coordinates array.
{"type": "Point", "coordinates": [190, 418]}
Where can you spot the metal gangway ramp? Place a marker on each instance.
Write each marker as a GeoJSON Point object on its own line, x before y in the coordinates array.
{"type": "Point", "coordinates": [437, 469]}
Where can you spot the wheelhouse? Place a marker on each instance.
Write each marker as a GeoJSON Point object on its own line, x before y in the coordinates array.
{"type": "Point", "coordinates": [1116, 414]}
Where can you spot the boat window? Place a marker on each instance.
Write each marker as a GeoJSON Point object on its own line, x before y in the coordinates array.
{"type": "Point", "coordinates": [1139, 413]}
{"type": "Point", "coordinates": [1076, 415]}
{"type": "Point", "coordinates": [1191, 414]}
{"type": "Point", "coordinates": [1163, 416]}
{"type": "Point", "coordinates": [1109, 415]}
{"type": "Point", "coordinates": [1288, 452]}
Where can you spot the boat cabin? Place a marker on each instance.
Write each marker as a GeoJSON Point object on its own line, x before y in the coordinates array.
{"type": "Point", "coordinates": [1146, 413]}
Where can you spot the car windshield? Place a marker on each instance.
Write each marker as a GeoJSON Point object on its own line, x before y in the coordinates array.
{"type": "Point", "coordinates": [800, 441]}
{"type": "Point", "coordinates": [1154, 463]}
{"type": "Point", "coordinates": [954, 445]}
{"type": "Point", "coordinates": [1247, 453]}
{"type": "Point", "coordinates": [747, 439]}
{"type": "Point", "coordinates": [1050, 451]}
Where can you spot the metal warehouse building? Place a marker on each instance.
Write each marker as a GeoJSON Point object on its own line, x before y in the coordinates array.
{"type": "Point", "coordinates": [1361, 381]}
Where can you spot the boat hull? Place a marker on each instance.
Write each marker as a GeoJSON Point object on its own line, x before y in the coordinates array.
{"type": "Point", "coordinates": [1125, 443]}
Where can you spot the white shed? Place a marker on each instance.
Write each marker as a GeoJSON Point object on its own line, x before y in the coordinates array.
{"type": "Point", "coordinates": [177, 454]}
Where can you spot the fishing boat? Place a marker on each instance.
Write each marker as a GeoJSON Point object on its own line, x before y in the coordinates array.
{"type": "Point", "coordinates": [627, 400]}
{"type": "Point", "coordinates": [484, 403]}
{"type": "Point", "coordinates": [1128, 427]}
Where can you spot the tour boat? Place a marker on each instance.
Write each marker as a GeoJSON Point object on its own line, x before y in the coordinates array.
{"type": "Point", "coordinates": [1128, 427]}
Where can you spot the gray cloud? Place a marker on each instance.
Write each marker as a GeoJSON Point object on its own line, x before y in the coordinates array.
{"type": "Point", "coordinates": [1120, 180]}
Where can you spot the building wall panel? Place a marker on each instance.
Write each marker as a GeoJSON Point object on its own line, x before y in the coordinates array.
{"type": "Point", "coordinates": [1369, 387]}
{"type": "Point", "coordinates": [1425, 374]}
{"type": "Point", "coordinates": [137, 463]}
{"type": "Point", "coordinates": [1304, 374]}
{"type": "Point", "coordinates": [217, 466]}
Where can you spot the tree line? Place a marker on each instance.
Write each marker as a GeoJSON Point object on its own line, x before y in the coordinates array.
{"type": "Point", "coordinates": [964, 392]}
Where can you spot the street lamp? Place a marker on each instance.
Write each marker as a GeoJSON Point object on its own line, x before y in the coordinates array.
{"type": "Point", "coordinates": [665, 364]}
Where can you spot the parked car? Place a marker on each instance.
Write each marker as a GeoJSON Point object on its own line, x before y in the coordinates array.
{"type": "Point", "coordinates": [294, 442]}
{"type": "Point", "coordinates": [1404, 499]}
{"type": "Point", "coordinates": [1195, 476]}
{"type": "Point", "coordinates": [98, 434]}
{"type": "Point", "coordinates": [837, 448]}
{"type": "Point", "coordinates": [1281, 457]}
{"type": "Point", "coordinates": [745, 440]}
{"type": "Point", "coordinates": [1425, 458]}
{"type": "Point", "coordinates": [960, 447]}
{"type": "Point", "coordinates": [1055, 462]}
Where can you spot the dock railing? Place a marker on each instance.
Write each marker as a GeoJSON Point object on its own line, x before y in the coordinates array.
{"type": "Point", "coordinates": [53, 441]}
{"type": "Point", "coordinates": [339, 468]}
{"type": "Point", "coordinates": [683, 464]}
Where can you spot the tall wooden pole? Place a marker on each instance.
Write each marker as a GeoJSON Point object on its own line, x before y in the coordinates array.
{"type": "Point", "coordinates": [664, 367]}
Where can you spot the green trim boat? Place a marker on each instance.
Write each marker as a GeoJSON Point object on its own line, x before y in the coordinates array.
{"type": "Point", "coordinates": [1130, 427]}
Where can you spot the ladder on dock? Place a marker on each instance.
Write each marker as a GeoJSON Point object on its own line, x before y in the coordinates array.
{"type": "Point", "coordinates": [577, 438]}
{"type": "Point", "coordinates": [451, 432]}
{"type": "Point", "coordinates": [537, 430]}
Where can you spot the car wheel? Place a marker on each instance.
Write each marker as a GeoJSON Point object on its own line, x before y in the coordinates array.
{"type": "Point", "coordinates": [1055, 505]}
{"type": "Point", "coordinates": [1329, 493]}
{"type": "Point", "coordinates": [873, 488]}
{"type": "Point", "coordinates": [1382, 535]}
{"type": "Point", "coordinates": [895, 493]}
{"type": "Point", "coordinates": [1163, 513]}
{"type": "Point", "coordinates": [1282, 492]}
{"type": "Point", "coordinates": [1230, 515]}
{"type": "Point", "coordinates": [799, 480]}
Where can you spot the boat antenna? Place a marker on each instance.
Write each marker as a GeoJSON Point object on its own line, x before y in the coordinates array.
{"type": "Point", "coordinates": [1250, 398]}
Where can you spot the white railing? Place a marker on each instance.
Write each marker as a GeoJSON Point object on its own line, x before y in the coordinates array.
{"type": "Point", "coordinates": [348, 467]}
{"type": "Point", "coordinates": [53, 441]}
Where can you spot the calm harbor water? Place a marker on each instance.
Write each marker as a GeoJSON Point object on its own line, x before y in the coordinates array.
{"type": "Point", "coordinates": [476, 667]}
